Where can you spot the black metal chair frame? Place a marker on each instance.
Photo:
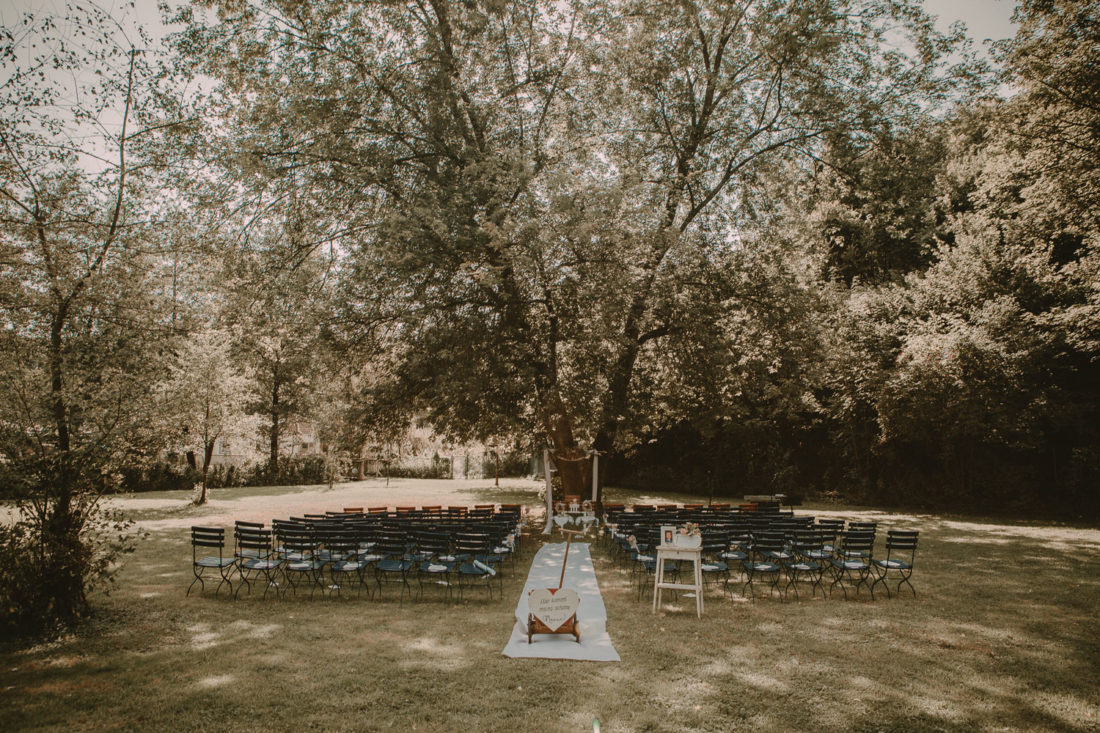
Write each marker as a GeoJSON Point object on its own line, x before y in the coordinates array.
{"type": "Point", "coordinates": [469, 547]}
{"type": "Point", "coordinates": [210, 537]}
{"type": "Point", "coordinates": [765, 560]}
{"type": "Point", "coordinates": [715, 546]}
{"type": "Point", "coordinates": [433, 547]}
{"type": "Point", "coordinates": [344, 562]}
{"type": "Point", "coordinates": [853, 561]}
{"type": "Point", "coordinates": [394, 560]}
{"type": "Point", "coordinates": [901, 555]}
{"type": "Point", "coordinates": [301, 559]}
{"type": "Point", "coordinates": [255, 558]}
{"type": "Point", "coordinates": [808, 562]}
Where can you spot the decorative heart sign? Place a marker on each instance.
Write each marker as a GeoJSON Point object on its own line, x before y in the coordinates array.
{"type": "Point", "coordinates": [553, 606]}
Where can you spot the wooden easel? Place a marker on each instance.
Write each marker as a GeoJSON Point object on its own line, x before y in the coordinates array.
{"type": "Point", "coordinates": [534, 626]}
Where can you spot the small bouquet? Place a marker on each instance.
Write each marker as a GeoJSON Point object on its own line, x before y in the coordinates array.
{"type": "Point", "coordinates": [690, 529]}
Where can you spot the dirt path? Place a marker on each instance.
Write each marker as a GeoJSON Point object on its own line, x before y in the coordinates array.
{"type": "Point", "coordinates": [229, 505]}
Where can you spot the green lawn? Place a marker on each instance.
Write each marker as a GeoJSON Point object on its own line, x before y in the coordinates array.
{"type": "Point", "coordinates": [1001, 636]}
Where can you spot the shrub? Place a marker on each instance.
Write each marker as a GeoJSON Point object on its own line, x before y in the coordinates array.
{"type": "Point", "coordinates": [34, 563]}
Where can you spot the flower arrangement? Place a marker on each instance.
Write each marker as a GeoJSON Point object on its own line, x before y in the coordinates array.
{"type": "Point", "coordinates": [690, 529]}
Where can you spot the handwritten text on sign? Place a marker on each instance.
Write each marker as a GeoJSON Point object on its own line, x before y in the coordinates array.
{"type": "Point", "coordinates": [553, 608]}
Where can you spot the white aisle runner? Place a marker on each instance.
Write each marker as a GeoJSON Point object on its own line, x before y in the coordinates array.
{"type": "Point", "coordinates": [591, 615]}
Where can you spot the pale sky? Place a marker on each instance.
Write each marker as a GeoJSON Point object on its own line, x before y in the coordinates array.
{"type": "Point", "coordinates": [984, 18]}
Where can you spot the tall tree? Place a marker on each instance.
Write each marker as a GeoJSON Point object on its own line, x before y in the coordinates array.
{"type": "Point", "coordinates": [528, 188]}
{"type": "Point", "coordinates": [79, 326]}
{"type": "Point", "coordinates": [209, 397]}
{"type": "Point", "coordinates": [278, 307]}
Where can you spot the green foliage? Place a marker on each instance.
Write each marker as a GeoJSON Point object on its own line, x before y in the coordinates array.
{"type": "Point", "coordinates": [436, 469]}
{"type": "Point", "coordinates": [34, 568]}
{"type": "Point", "coordinates": [529, 201]}
{"type": "Point", "coordinates": [159, 476]}
{"type": "Point", "coordinates": [82, 325]}
{"type": "Point", "coordinates": [276, 307]}
{"type": "Point", "coordinates": [879, 205]}
{"type": "Point", "coordinates": [207, 394]}
{"type": "Point", "coordinates": [292, 471]}
{"type": "Point", "coordinates": [921, 328]}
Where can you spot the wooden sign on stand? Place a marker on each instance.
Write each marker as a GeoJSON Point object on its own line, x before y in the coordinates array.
{"type": "Point", "coordinates": [554, 610]}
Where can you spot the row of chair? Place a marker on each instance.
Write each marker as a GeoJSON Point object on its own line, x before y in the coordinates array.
{"type": "Point", "coordinates": [338, 551]}
{"type": "Point", "coordinates": [777, 549]}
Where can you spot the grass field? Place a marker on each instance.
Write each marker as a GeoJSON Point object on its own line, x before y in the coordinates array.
{"type": "Point", "coordinates": [1002, 635]}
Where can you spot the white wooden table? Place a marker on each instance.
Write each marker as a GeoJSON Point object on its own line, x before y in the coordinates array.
{"type": "Point", "coordinates": [694, 554]}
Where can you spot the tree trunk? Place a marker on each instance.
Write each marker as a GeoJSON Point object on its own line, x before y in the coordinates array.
{"type": "Point", "coordinates": [273, 455]}
{"type": "Point", "coordinates": [207, 454]}
{"type": "Point", "coordinates": [60, 522]}
{"type": "Point", "coordinates": [570, 459]}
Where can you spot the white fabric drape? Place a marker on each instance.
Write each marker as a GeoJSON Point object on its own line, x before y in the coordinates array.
{"type": "Point", "coordinates": [591, 614]}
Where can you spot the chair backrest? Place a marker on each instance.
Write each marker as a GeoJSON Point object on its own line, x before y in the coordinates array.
{"type": "Point", "coordinates": [390, 545]}
{"type": "Point", "coordinates": [787, 526]}
{"type": "Point", "coordinates": [297, 539]}
{"type": "Point", "coordinates": [830, 528]}
{"type": "Point", "coordinates": [714, 541]}
{"type": "Point", "coordinates": [806, 540]}
{"type": "Point", "coordinates": [342, 542]}
{"type": "Point", "coordinates": [856, 540]}
{"type": "Point", "coordinates": [240, 526]}
{"type": "Point", "coordinates": [471, 542]}
{"type": "Point", "coordinates": [901, 540]}
{"type": "Point", "coordinates": [648, 537]}
{"type": "Point", "coordinates": [435, 543]}
{"type": "Point", "coordinates": [325, 532]}
{"type": "Point", "coordinates": [208, 537]}
{"type": "Point", "coordinates": [759, 520]}
{"type": "Point", "coordinates": [740, 534]}
{"type": "Point", "coordinates": [364, 528]}
{"type": "Point", "coordinates": [256, 541]}
{"type": "Point", "coordinates": [768, 541]}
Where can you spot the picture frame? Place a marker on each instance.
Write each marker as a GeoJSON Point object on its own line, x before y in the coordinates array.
{"type": "Point", "coordinates": [668, 536]}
